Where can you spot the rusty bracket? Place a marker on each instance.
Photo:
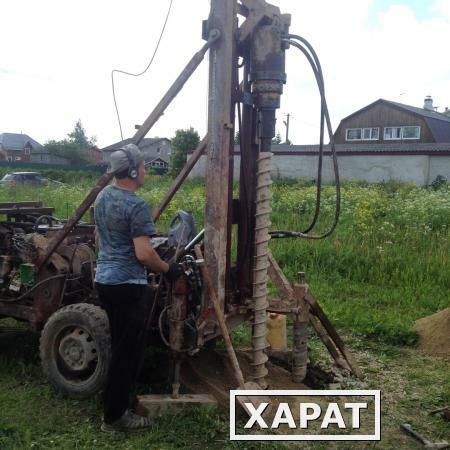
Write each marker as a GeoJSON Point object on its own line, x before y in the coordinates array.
{"type": "Point", "coordinates": [305, 304]}
{"type": "Point", "coordinates": [333, 334]}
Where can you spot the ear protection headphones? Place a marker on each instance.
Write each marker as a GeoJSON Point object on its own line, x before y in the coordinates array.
{"type": "Point", "coordinates": [132, 169]}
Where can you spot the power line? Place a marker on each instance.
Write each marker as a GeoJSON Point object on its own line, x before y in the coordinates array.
{"type": "Point", "coordinates": [140, 73]}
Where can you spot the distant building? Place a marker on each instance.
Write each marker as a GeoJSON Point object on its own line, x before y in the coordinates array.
{"type": "Point", "coordinates": [386, 122]}
{"type": "Point", "coordinates": [157, 151]}
{"type": "Point", "coordinates": [95, 155]}
{"type": "Point", "coordinates": [42, 156]}
{"type": "Point", "coordinates": [17, 147]}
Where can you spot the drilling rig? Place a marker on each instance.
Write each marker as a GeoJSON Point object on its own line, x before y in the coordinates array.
{"type": "Point", "coordinates": [217, 294]}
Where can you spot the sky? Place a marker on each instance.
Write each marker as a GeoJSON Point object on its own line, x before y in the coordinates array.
{"type": "Point", "coordinates": [56, 58]}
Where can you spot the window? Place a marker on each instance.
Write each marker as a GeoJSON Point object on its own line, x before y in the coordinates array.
{"type": "Point", "coordinates": [158, 150]}
{"type": "Point", "coordinates": [17, 158]}
{"type": "Point", "coordinates": [362, 134]}
{"type": "Point", "coordinates": [411, 132]}
{"type": "Point", "coordinates": [10, 158]}
{"type": "Point", "coordinates": [406, 132]}
{"type": "Point", "coordinates": [27, 150]}
{"type": "Point", "coordinates": [353, 134]}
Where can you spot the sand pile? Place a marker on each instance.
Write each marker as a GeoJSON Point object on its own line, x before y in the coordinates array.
{"type": "Point", "coordinates": [434, 333]}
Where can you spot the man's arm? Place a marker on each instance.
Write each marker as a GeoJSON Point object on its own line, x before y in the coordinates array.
{"type": "Point", "coordinates": [147, 255]}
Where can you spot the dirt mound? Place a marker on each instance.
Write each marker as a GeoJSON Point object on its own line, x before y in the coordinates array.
{"type": "Point", "coordinates": [434, 333]}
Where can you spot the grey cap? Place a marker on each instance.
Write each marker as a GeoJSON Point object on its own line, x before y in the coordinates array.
{"type": "Point", "coordinates": [119, 160]}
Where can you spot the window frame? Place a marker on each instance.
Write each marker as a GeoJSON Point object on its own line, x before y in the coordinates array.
{"type": "Point", "coordinates": [401, 138]}
{"type": "Point", "coordinates": [363, 129]}
{"type": "Point", "coordinates": [411, 126]}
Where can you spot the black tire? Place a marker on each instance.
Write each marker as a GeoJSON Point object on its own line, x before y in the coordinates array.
{"type": "Point", "coordinates": [75, 349]}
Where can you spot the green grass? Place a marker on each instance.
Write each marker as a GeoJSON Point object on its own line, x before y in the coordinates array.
{"type": "Point", "coordinates": [34, 416]}
{"type": "Point", "coordinates": [386, 265]}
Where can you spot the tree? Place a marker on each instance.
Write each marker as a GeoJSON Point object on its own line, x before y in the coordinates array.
{"type": "Point", "coordinates": [74, 147]}
{"type": "Point", "coordinates": [78, 136]}
{"type": "Point", "coordinates": [66, 149]}
{"type": "Point", "coordinates": [183, 141]}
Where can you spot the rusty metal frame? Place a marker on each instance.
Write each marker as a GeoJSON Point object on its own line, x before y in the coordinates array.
{"type": "Point", "coordinates": [139, 135]}
{"type": "Point", "coordinates": [259, 93]}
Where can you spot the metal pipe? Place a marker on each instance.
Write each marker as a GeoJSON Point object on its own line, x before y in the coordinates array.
{"type": "Point", "coordinates": [194, 241]}
{"type": "Point", "coordinates": [299, 349]}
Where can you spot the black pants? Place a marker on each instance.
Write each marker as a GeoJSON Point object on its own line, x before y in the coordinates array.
{"type": "Point", "coordinates": [127, 309]}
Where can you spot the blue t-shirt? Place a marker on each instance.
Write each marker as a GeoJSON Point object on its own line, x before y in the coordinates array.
{"type": "Point", "coordinates": [120, 216]}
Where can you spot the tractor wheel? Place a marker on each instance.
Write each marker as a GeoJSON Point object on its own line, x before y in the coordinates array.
{"type": "Point", "coordinates": [75, 349]}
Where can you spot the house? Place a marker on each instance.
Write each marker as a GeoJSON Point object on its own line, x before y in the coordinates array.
{"type": "Point", "coordinates": [157, 151]}
{"type": "Point", "coordinates": [17, 147]}
{"type": "Point", "coordinates": [157, 163]}
{"type": "Point", "coordinates": [95, 155]}
{"type": "Point", "coordinates": [42, 156]}
{"type": "Point", "coordinates": [386, 122]}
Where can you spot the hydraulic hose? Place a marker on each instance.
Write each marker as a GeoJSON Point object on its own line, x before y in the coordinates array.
{"type": "Point", "coordinates": [312, 58]}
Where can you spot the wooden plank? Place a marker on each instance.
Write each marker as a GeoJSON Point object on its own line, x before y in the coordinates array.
{"type": "Point", "coordinates": [155, 405]}
{"type": "Point", "coordinates": [218, 177]}
{"type": "Point", "coordinates": [180, 178]}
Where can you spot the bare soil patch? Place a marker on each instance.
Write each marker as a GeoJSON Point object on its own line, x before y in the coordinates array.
{"type": "Point", "coordinates": [434, 333]}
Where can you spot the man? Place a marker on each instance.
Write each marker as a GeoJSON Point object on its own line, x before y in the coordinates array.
{"type": "Point", "coordinates": [124, 226]}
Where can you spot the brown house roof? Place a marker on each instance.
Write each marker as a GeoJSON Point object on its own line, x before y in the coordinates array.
{"type": "Point", "coordinates": [438, 123]}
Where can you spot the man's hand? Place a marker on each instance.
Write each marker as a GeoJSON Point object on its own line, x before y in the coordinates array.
{"type": "Point", "coordinates": [175, 271]}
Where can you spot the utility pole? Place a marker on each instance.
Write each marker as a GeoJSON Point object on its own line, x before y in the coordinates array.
{"type": "Point", "coordinates": [286, 123]}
